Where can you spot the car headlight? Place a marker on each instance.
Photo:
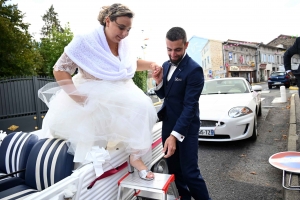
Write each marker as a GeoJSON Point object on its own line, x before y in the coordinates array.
{"type": "Point", "coordinates": [239, 111]}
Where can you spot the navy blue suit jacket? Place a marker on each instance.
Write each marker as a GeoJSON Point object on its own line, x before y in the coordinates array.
{"type": "Point", "coordinates": [180, 110]}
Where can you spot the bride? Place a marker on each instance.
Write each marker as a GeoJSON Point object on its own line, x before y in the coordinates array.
{"type": "Point", "coordinates": [101, 102]}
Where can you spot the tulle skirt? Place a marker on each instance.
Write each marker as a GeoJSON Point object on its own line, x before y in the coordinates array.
{"type": "Point", "coordinates": [112, 112]}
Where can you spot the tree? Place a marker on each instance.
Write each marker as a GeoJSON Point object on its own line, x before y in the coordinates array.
{"type": "Point", "coordinates": [51, 22]}
{"type": "Point", "coordinates": [52, 47]}
{"type": "Point", "coordinates": [18, 53]}
{"type": "Point", "coordinates": [140, 79]}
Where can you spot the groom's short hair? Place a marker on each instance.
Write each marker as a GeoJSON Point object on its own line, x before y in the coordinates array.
{"type": "Point", "coordinates": [176, 33]}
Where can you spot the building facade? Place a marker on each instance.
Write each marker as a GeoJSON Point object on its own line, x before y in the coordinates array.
{"type": "Point", "coordinates": [239, 58]}
{"type": "Point", "coordinates": [233, 58]}
{"type": "Point", "coordinates": [284, 42]}
{"type": "Point", "coordinates": [212, 60]}
{"type": "Point", "coordinates": [269, 59]}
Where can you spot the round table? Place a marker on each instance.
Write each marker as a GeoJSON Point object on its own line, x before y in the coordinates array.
{"type": "Point", "coordinates": [288, 161]}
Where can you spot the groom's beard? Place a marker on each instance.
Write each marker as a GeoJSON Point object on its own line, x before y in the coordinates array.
{"type": "Point", "coordinates": [175, 62]}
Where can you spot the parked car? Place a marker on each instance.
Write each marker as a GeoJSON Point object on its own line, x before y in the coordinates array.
{"type": "Point", "coordinates": [280, 78]}
{"type": "Point", "coordinates": [151, 92]}
{"type": "Point", "coordinates": [228, 110]}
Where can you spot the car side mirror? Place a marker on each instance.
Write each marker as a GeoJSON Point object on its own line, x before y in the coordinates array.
{"type": "Point", "coordinates": [256, 88]}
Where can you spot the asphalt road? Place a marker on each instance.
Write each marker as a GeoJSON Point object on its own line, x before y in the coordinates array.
{"type": "Point", "coordinates": [240, 170]}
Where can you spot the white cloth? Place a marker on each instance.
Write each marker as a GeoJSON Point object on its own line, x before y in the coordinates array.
{"type": "Point", "coordinates": [115, 111]}
{"type": "Point", "coordinates": [92, 54]}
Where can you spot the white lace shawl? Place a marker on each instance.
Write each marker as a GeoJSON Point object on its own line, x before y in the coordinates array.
{"type": "Point", "coordinates": [92, 53]}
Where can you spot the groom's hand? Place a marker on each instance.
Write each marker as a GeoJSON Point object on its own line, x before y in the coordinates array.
{"type": "Point", "coordinates": [170, 146]}
{"type": "Point", "coordinates": [157, 74]}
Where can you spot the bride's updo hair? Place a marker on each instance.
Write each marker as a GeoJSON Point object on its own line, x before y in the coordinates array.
{"type": "Point", "coordinates": [114, 11]}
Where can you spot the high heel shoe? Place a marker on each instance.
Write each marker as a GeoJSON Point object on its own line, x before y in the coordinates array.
{"type": "Point", "coordinates": [142, 173]}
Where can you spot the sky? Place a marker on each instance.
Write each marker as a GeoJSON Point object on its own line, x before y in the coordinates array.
{"type": "Point", "coordinates": [246, 20]}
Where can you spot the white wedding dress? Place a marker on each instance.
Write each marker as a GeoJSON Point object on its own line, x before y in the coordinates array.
{"type": "Point", "coordinates": [114, 111]}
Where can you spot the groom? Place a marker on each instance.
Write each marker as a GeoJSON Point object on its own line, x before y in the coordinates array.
{"type": "Point", "coordinates": [180, 84]}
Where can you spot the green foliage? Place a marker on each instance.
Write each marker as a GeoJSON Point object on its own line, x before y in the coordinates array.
{"type": "Point", "coordinates": [51, 22]}
{"type": "Point", "coordinates": [140, 79]}
{"type": "Point", "coordinates": [18, 53]}
{"type": "Point", "coordinates": [52, 47]}
{"type": "Point", "coordinates": [55, 38]}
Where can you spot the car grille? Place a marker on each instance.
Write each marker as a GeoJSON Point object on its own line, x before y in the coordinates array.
{"type": "Point", "coordinates": [209, 123]}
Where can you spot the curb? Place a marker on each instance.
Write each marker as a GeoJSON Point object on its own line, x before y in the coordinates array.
{"type": "Point", "coordinates": [292, 146]}
{"type": "Point", "coordinates": [157, 103]}
{"type": "Point", "coordinates": [293, 88]}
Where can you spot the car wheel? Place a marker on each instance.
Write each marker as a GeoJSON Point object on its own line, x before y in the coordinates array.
{"type": "Point", "coordinates": [161, 167]}
{"type": "Point", "coordinates": [259, 110]}
{"type": "Point", "coordinates": [254, 132]}
{"type": "Point", "coordinates": [270, 86]}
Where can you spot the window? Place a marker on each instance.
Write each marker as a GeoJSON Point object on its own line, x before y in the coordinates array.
{"type": "Point", "coordinates": [234, 58]}
{"type": "Point", "coordinates": [229, 56]}
{"type": "Point", "coordinates": [263, 57]}
{"type": "Point", "coordinates": [242, 59]}
{"type": "Point", "coordinates": [278, 59]}
{"type": "Point", "coordinates": [260, 58]}
{"type": "Point", "coordinates": [275, 74]}
{"type": "Point", "coordinates": [207, 59]}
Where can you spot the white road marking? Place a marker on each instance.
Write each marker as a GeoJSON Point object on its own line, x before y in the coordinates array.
{"type": "Point", "coordinates": [277, 100]}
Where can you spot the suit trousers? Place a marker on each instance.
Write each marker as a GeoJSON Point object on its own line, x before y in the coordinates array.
{"type": "Point", "coordinates": [184, 165]}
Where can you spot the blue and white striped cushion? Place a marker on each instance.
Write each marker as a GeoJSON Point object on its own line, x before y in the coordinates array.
{"type": "Point", "coordinates": [17, 192]}
{"type": "Point", "coordinates": [48, 163]}
{"type": "Point", "coordinates": [14, 151]}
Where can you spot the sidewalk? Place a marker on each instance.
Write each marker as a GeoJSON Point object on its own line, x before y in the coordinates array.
{"type": "Point", "coordinates": [293, 144]}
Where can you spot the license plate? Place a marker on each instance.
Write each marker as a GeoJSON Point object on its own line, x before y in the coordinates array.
{"type": "Point", "coordinates": [277, 83]}
{"type": "Point", "coordinates": [205, 132]}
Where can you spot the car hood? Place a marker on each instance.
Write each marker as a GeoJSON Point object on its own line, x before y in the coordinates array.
{"type": "Point", "coordinates": [220, 103]}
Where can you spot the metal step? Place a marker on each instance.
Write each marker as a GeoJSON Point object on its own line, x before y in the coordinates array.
{"type": "Point", "coordinates": [154, 189]}
{"type": "Point", "coordinates": [151, 195]}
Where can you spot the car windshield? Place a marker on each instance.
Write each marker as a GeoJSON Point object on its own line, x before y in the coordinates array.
{"type": "Point", "coordinates": [226, 86]}
{"type": "Point", "coordinates": [277, 74]}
